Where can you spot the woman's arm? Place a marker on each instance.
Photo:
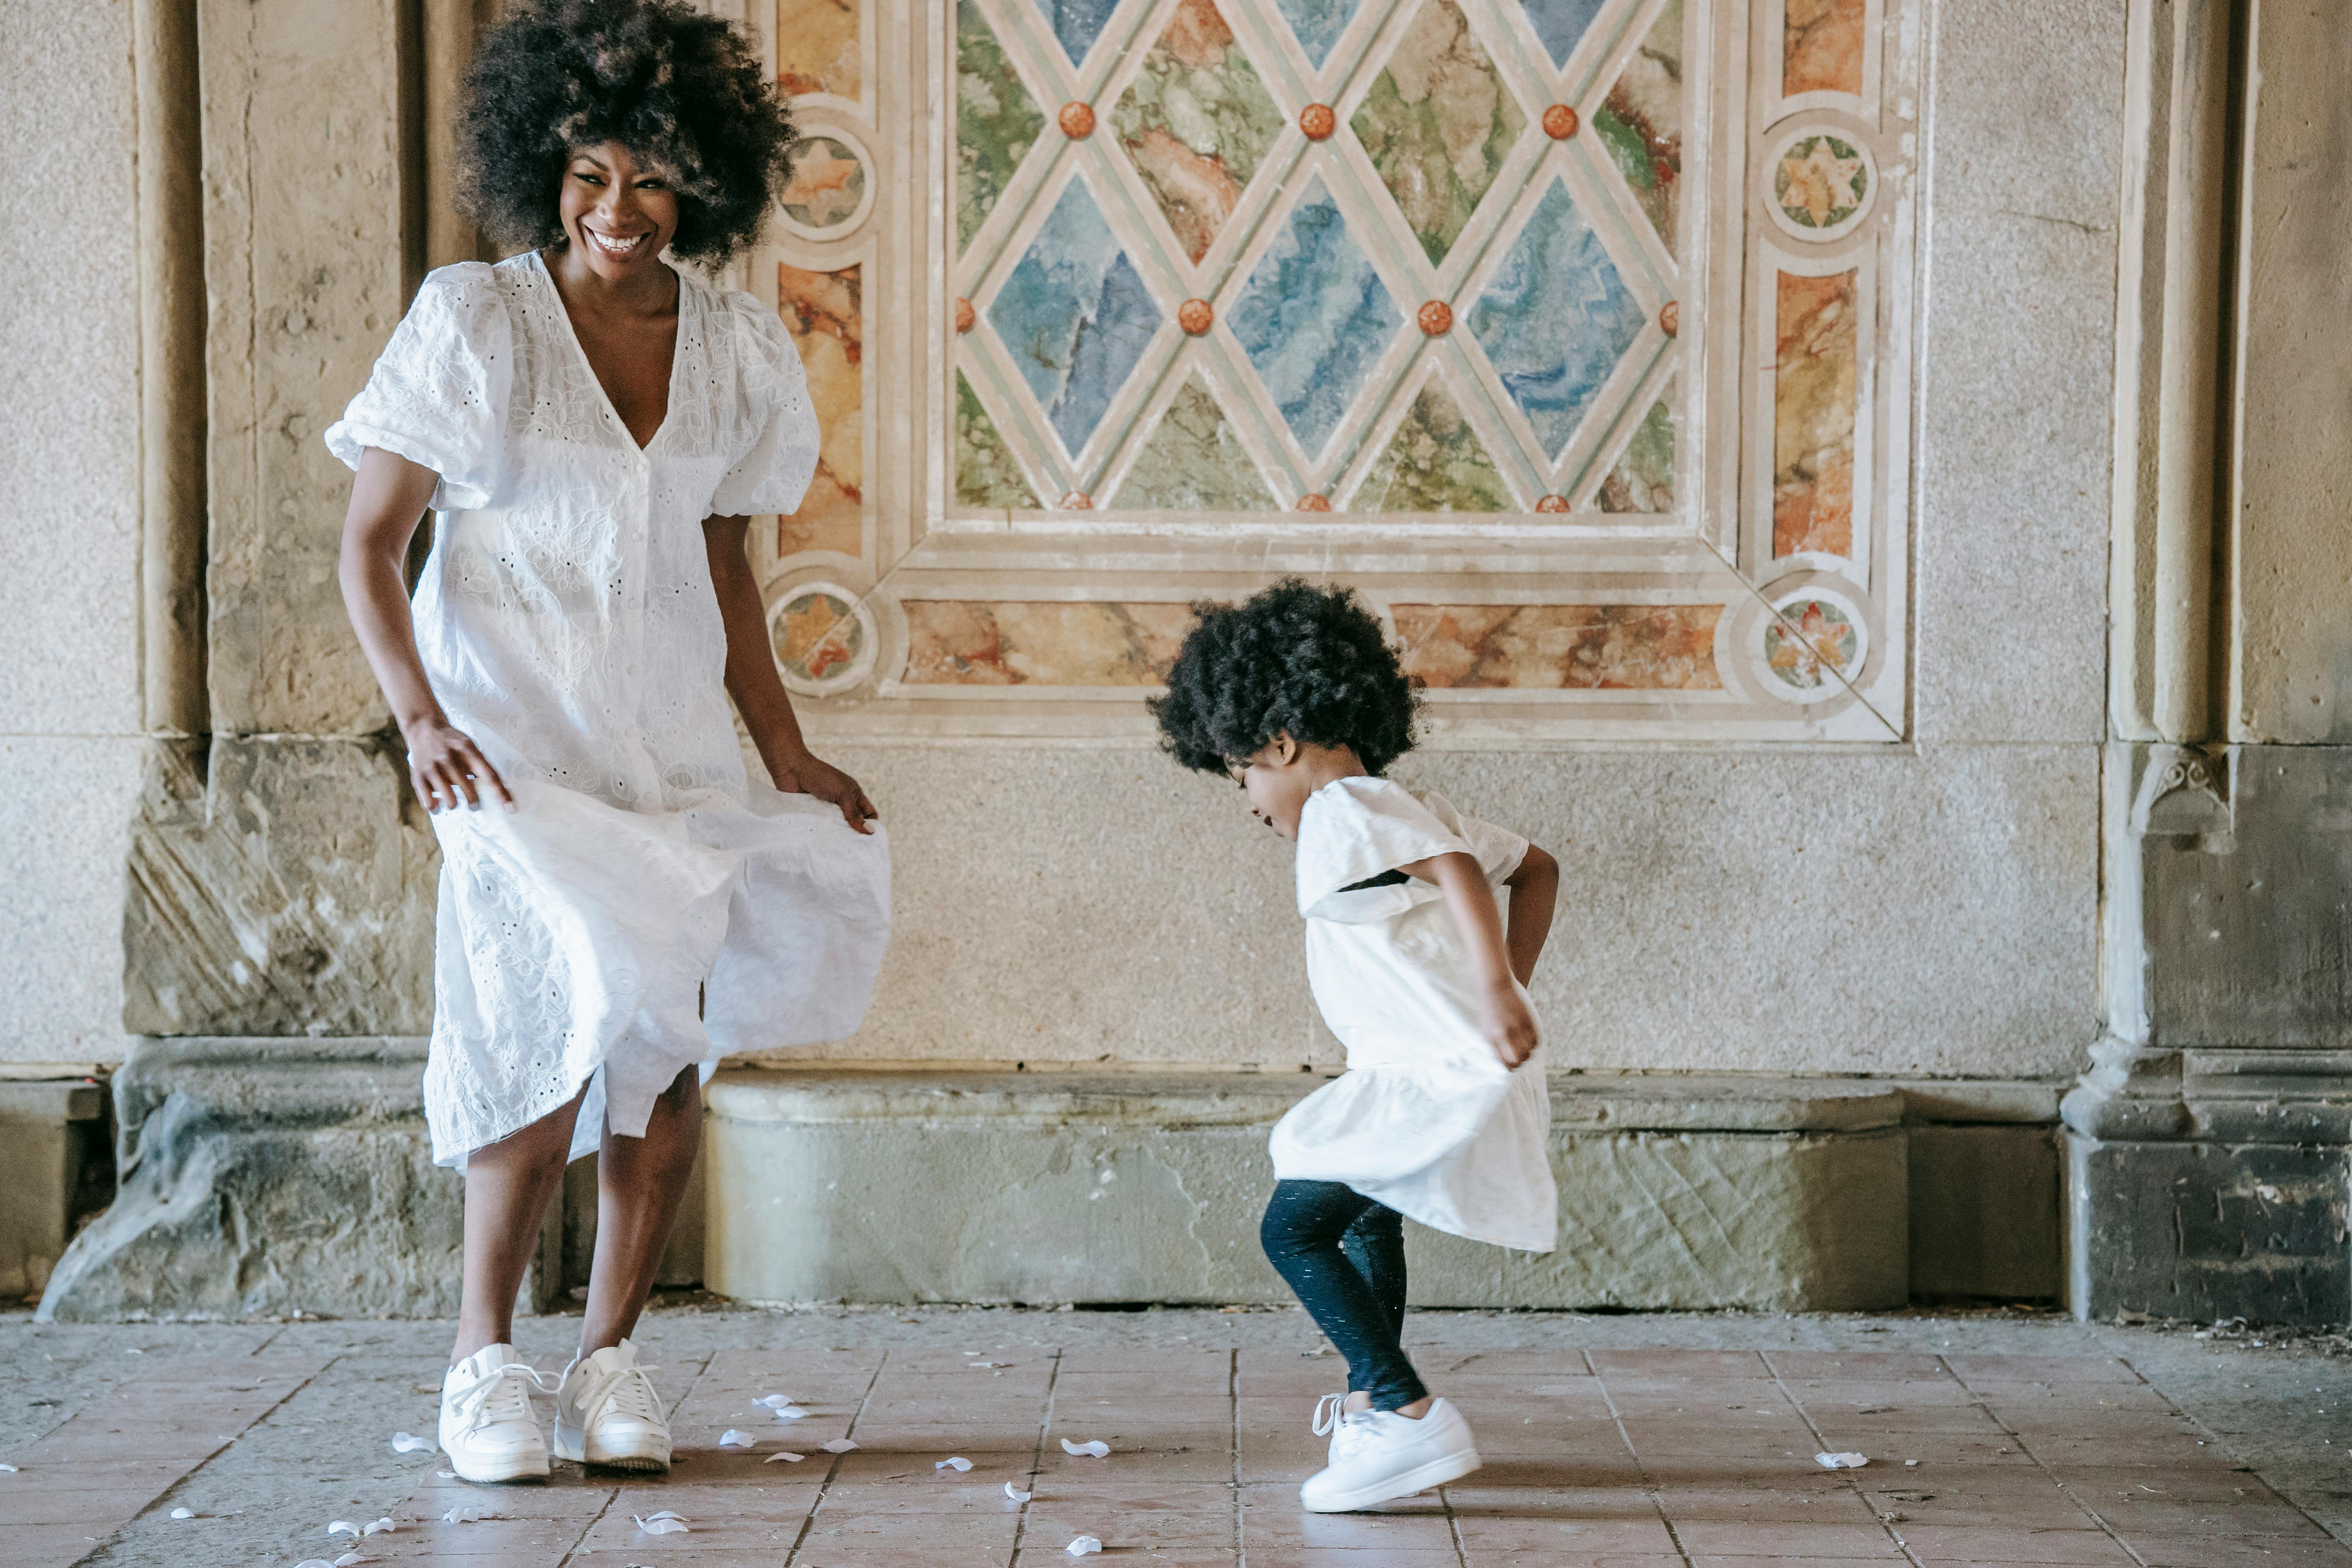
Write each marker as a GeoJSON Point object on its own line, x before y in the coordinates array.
{"type": "Point", "coordinates": [1535, 888]}
{"type": "Point", "coordinates": [759, 692]}
{"type": "Point", "coordinates": [388, 500]}
{"type": "Point", "coordinates": [1510, 1023]}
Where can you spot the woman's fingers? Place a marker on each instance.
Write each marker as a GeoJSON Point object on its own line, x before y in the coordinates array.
{"type": "Point", "coordinates": [478, 768]}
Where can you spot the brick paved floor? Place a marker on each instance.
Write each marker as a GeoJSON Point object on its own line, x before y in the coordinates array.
{"type": "Point", "coordinates": [2034, 1442]}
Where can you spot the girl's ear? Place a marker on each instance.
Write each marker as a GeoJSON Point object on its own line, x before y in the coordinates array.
{"type": "Point", "coordinates": [1285, 749]}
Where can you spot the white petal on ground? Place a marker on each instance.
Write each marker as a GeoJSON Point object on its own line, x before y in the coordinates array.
{"type": "Point", "coordinates": [346, 1560]}
{"type": "Point", "coordinates": [957, 1464]}
{"type": "Point", "coordinates": [9, 1469]}
{"type": "Point", "coordinates": [1084, 1546]}
{"type": "Point", "coordinates": [789, 1412]}
{"type": "Point", "coordinates": [1840, 1461]}
{"type": "Point", "coordinates": [839, 1446]}
{"type": "Point", "coordinates": [1095, 1449]}
{"type": "Point", "coordinates": [469, 1513]}
{"type": "Point", "coordinates": [376, 1527]}
{"type": "Point", "coordinates": [785, 1457]}
{"type": "Point", "coordinates": [666, 1522]}
{"type": "Point", "coordinates": [343, 1526]}
{"type": "Point", "coordinates": [407, 1443]}
{"type": "Point", "coordinates": [1015, 1494]}
{"type": "Point", "coordinates": [732, 1438]}
{"type": "Point", "coordinates": [184, 1513]}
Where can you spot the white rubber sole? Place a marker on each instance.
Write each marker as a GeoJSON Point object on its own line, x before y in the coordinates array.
{"type": "Point", "coordinates": [1435, 1473]}
{"type": "Point", "coordinates": [500, 1472]}
{"type": "Point", "coordinates": [572, 1445]}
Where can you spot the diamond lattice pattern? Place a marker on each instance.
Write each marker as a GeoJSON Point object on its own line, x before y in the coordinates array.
{"type": "Point", "coordinates": [1228, 255]}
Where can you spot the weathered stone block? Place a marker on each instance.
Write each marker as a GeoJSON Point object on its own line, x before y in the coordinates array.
{"type": "Point", "coordinates": [260, 1177]}
{"type": "Point", "coordinates": [45, 1134]}
{"type": "Point", "coordinates": [898, 1186]}
{"type": "Point", "coordinates": [2206, 1230]}
{"type": "Point", "coordinates": [278, 887]}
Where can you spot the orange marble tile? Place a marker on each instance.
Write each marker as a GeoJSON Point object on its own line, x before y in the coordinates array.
{"type": "Point", "coordinates": [1822, 47]}
{"type": "Point", "coordinates": [1814, 386]}
{"type": "Point", "coordinates": [1549, 647]}
{"type": "Point", "coordinates": [970, 642]}
{"type": "Point", "coordinates": [823, 312]}
{"type": "Point", "coordinates": [816, 46]}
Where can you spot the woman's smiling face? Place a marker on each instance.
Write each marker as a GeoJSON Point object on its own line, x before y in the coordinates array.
{"type": "Point", "coordinates": [618, 213]}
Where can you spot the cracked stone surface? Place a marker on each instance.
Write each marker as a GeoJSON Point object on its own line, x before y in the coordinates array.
{"type": "Point", "coordinates": [1639, 1441]}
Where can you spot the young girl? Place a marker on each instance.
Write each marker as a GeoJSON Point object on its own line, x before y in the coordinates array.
{"type": "Point", "coordinates": [1443, 1112]}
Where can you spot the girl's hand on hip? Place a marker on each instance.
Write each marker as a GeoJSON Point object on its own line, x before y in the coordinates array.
{"type": "Point", "coordinates": [1510, 1023]}
{"type": "Point", "coordinates": [830, 784]}
{"type": "Point", "coordinates": [447, 767]}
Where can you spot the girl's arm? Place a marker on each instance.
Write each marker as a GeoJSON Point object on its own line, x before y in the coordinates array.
{"type": "Point", "coordinates": [1534, 886]}
{"type": "Point", "coordinates": [1510, 1023]}
{"type": "Point", "coordinates": [759, 692]}
{"type": "Point", "coordinates": [388, 500]}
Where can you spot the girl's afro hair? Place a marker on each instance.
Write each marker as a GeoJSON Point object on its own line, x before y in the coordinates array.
{"type": "Point", "coordinates": [1298, 658]}
{"type": "Point", "coordinates": [683, 91]}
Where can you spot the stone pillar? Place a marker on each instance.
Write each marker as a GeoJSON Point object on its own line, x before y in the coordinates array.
{"type": "Point", "coordinates": [2208, 1145]}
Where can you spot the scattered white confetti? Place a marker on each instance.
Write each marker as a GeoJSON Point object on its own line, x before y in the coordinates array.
{"type": "Point", "coordinates": [957, 1464]}
{"type": "Point", "coordinates": [1910, 1464]}
{"type": "Point", "coordinates": [790, 1412]}
{"type": "Point", "coordinates": [1084, 1546]}
{"type": "Point", "coordinates": [1097, 1449]}
{"type": "Point", "coordinates": [786, 1457]}
{"type": "Point", "coordinates": [1015, 1493]}
{"type": "Point", "coordinates": [773, 1401]}
{"type": "Point", "coordinates": [377, 1527]}
{"type": "Point", "coordinates": [9, 1469]}
{"type": "Point", "coordinates": [314, 1562]}
{"type": "Point", "coordinates": [980, 1366]}
{"type": "Point", "coordinates": [344, 1527]}
{"type": "Point", "coordinates": [666, 1522]}
{"type": "Point", "coordinates": [184, 1513]}
{"type": "Point", "coordinates": [407, 1443]}
{"type": "Point", "coordinates": [732, 1438]}
{"type": "Point", "coordinates": [839, 1446]}
{"type": "Point", "coordinates": [1840, 1461]}
{"type": "Point", "coordinates": [346, 1560]}
{"type": "Point", "coordinates": [447, 1475]}
{"type": "Point", "coordinates": [469, 1513]}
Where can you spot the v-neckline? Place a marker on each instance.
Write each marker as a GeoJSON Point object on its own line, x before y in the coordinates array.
{"type": "Point", "coordinates": [676, 355]}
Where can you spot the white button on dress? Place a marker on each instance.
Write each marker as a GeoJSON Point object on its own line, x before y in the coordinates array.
{"type": "Point", "coordinates": [1426, 1118]}
{"type": "Point", "coordinates": [567, 621]}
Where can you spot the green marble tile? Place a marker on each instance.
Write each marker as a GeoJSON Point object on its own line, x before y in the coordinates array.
{"type": "Point", "coordinates": [1641, 125]}
{"type": "Point", "coordinates": [1437, 123]}
{"type": "Point", "coordinates": [986, 474]}
{"type": "Point", "coordinates": [1643, 477]}
{"type": "Point", "coordinates": [1196, 122]}
{"type": "Point", "coordinates": [1434, 462]}
{"type": "Point", "coordinates": [996, 121]}
{"type": "Point", "coordinates": [1194, 462]}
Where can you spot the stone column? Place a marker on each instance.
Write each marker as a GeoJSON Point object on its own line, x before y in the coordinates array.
{"type": "Point", "coordinates": [2208, 1143]}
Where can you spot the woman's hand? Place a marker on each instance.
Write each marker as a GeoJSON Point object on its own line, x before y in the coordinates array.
{"type": "Point", "coordinates": [446, 767]}
{"type": "Point", "coordinates": [1510, 1023]}
{"type": "Point", "coordinates": [828, 783]}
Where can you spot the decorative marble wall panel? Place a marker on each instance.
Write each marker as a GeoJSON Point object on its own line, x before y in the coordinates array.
{"type": "Point", "coordinates": [1574, 332]}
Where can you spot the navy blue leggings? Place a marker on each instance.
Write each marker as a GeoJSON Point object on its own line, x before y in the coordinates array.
{"type": "Point", "coordinates": [1343, 1256]}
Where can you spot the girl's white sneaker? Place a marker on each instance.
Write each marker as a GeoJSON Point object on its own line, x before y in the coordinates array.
{"type": "Point", "coordinates": [607, 1413]}
{"type": "Point", "coordinates": [486, 1426]}
{"type": "Point", "coordinates": [1378, 1455]}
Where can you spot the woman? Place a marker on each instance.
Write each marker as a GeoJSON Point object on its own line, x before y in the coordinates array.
{"type": "Point", "coordinates": [619, 902]}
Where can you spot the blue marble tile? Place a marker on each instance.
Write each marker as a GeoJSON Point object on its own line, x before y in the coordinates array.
{"type": "Point", "coordinates": [1560, 23]}
{"type": "Point", "coordinates": [1077, 23]}
{"type": "Point", "coordinates": [1075, 315]}
{"type": "Point", "coordinates": [1556, 319]}
{"type": "Point", "coordinates": [1318, 24]}
{"type": "Point", "coordinates": [1313, 318]}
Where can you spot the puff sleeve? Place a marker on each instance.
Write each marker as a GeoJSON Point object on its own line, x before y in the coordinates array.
{"type": "Point", "coordinates": [1353, 829]}
{"type": "Point", "coordinates": [775, 428]}
{"type": "Point", "coordinates": [438, 394]}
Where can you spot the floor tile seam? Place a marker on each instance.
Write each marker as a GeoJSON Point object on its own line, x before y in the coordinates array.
{"type": "Point", "coordinates": [612, 1493]}
{"type": "Point", "coordinates": [1649, 1488]}
{"type": "Point", "coordinates": [1036, 1454]}
{"type": "Point", "coordinates": [833, 1468]}
{"type": "Point", "coordinates": [1847, 1479]}
{"type": "Point", "coordinates": [2027, 1449]}
{"type": "Point", "coordinates": [164, 1493]}
{"type": "Point", "coordinates": [1233, 1453]}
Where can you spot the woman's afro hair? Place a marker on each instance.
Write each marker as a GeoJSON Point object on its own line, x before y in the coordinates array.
{"type": "Point", "coordinates": [1295, 658]}
{"type": "Point", "coordinates": [683, 90]}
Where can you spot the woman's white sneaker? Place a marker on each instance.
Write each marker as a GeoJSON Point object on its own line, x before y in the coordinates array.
{"type": "Point", "coordinates": [486, 1426]}
{"type": "Point", "coordinates": [607, 1413]}
{"type": "Point", "coordinates": [1378, 1455]}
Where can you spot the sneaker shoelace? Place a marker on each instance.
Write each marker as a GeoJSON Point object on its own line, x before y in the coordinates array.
{"type": "Point", "coordinates": [629, 1393]}
{"type": "Point", "coordinates": [501, 1395]}
{"type": "Point", "coordinates": [1328, 1411]}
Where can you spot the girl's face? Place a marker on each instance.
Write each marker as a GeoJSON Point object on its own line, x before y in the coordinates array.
{"type": "Point", "coordinates": [1277, 780]}
{"type": "Point", "coordinates": [618, 212]}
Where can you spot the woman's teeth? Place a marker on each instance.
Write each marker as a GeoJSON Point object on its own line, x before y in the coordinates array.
{"type": "Point", "coordinates": [615, 247]}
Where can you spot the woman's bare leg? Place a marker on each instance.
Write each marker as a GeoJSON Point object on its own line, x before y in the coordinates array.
{"type": "Point", "coordinates": [639, 1183]}
{"type": "Point", "coordinates": [508, 1186]}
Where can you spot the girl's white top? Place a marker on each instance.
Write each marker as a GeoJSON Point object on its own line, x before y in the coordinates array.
{"type": "Point", "coordinates": [1426, 1118]}
{"type": "Point", "coordinates": [567, 621]}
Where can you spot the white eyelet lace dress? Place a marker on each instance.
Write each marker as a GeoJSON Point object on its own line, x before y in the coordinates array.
{"type": "Point", "coordinates": [567, 621]}
{"type": "Point", "coordinates": [1426, 1118]}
